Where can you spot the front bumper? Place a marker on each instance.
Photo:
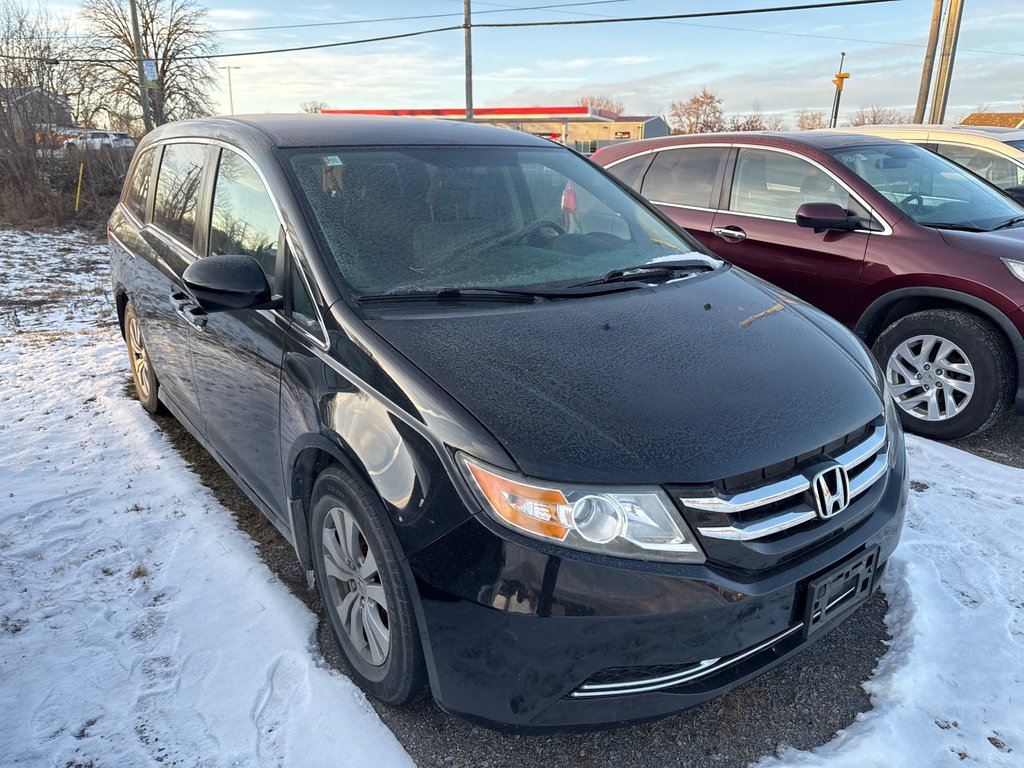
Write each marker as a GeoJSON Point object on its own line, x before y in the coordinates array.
{"type": "Point", "coordinates": [512, 628]}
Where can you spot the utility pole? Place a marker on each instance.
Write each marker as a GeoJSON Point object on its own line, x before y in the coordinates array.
{"type": "Point", "coordinates": [231, 94]}
{"type": "Point", "coordinates": [841, 78]}
{"type": "Point", "coordinates": [147, 116]}
{"type": "Point", "coordinates": [467, 26]}
{"type": "Point", "coordinates": [949, 41]}
{"type": "Point", "coordinates": [929, 62]}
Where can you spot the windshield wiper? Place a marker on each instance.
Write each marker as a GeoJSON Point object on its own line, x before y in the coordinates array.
{"type": "Point", "coordinates": [656, 270]}
{"type": "Point", "coordinates": [1008, 223]}
{"type": "Point", "coordinates": [955, 227]}
{"type": "Point", "coordinates": [523, 295]}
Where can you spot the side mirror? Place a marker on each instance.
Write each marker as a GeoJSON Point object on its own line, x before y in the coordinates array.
{"type": "Point", "coordinates": [822, 216]}
{"type": "Point", "coordinates": [227, 282]}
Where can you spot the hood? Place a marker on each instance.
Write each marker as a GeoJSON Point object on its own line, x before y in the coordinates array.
{"type": "Point", "coordinates": [683, 382]}
{"type": "Point", "coordinates": [1003, 243]}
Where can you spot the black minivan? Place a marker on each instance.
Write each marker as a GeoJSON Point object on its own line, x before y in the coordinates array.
{"type": "Point", "coordinates": [543, 453]}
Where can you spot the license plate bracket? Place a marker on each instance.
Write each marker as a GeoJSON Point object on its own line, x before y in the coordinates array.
{"type": "Point", "coordinates": [837, 593]}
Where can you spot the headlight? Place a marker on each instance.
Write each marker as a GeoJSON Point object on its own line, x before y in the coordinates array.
{"type": "Point", "coordinates": [893, 425]}
{"type": "Point", "coordinates": [638, 523]}
{"type": "Point", "coordinates": [1016, 267]}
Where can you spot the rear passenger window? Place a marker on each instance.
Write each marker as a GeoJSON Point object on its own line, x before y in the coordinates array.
{"type": "Point", "coordinates": [138, 187]}
{"type": "Point", "coordinates": [244, 218]}
{"type": "Point", "coordinates": [630, 171]}
{"type": "Point", "coordinates": [684, 176]}
{"type": "Point", "coordinates": [177, 190]}
{"type": "Point", "coordinates": [776, 184]}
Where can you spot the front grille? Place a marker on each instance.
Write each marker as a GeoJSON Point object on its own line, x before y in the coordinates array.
{"type": "Point", "coordinates": [769, 509]}
{"type": "Point", "coordinates": [763, 515]}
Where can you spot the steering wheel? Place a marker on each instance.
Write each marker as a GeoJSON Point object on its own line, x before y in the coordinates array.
{"type": "Point", "coordinates": [536, 227]}
{"type": "Point", "coordinates": [915, 199]}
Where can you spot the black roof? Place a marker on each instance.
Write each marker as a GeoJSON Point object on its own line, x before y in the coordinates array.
{"type": "Point", "coordinates": [305, 130]}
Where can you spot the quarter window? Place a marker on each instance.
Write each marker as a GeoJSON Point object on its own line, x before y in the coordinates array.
{"type": "Point", "coordinates": [684, 176]}
{"type": "Point", "coordinates": [776, 184]}
{"type": "Point", "coordinates": [244, 219]}
{"type": "Point", "coordinates": [301, 302]}
{"type": "Point", "coordinates": [177, 190]}
{"type": "Point", "coordinates": [138, 188]}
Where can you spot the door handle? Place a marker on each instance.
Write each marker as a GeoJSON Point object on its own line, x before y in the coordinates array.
{"type": "Point", "coordinates": [187, 310]}
{"type": "Point", "coordinates": [732, 234]}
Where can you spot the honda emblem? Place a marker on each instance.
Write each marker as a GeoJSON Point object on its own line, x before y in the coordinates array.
{"type": "Point", "coordinates": [831, 490]}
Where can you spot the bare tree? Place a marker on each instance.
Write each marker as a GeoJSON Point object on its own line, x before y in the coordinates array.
{"type": "Point", "coordinates": [599, 102]}
{"type": "Point", "coordinates": [313, 107]}
{"type": "Point", "coordinates": [752, 122]}
{"type": "Point", "coordinates": [701, 113]}
{"type": "Point", "coordinates": [175, 36]}
{"type": "Point", "coordinates": [877, 115]}
{"type": "Point", "coordinates": [809, 119]}
{"type": "Point", "coordinates": [774, 123]}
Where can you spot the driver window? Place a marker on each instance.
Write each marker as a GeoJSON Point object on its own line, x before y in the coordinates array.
{"type": "Point", "coordinates": [775, 184]}
{"type": "Point", "coordinates": [244, 218]}
{"type": "Point", "coordinates": [997, 169]}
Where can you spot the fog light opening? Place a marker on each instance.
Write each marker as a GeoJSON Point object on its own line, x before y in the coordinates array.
{"type": "Point", "coordinates": [598, 519]}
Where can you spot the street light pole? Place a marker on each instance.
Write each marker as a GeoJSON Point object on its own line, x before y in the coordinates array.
{"type": "Point", "coordinates": [467, 26]}
{"type": "Point", "coordinates": [950, 36]}
{"type": "Point", "coordinates": [840, 79]}
{"type": "Point", "coordinates": [147, 115]}
{"type": "Point", "coordinates": [929, 62]}
{"type": "Point", "coordinates": [231, 95]}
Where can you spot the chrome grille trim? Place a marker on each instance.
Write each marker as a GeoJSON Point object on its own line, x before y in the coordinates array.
{"type": "Point", "coordinates": [762, 528]}
{"type": "Point", "coordinates": [702, 669]}
{"type": "Point", "coordinates": [872, 449]}
{"type": "Point", "coordinates": [790, 486]}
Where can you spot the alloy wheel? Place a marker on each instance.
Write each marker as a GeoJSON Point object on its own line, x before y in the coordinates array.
{"type": "Point", "coordinates": [139, 359]}
{"type": "Point", "coordinates": [931, 378]}
{"type": "Point", "coordinates": [355, 588]}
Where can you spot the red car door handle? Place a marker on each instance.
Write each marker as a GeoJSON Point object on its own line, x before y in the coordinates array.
{"type": "Point", "coordinates": [733, 234]}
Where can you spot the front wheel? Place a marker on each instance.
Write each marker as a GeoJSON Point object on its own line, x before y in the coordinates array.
{"type": "Point", "coordinates": [950, 372]}
{"type": "Point", "coordinates": [364, 592]}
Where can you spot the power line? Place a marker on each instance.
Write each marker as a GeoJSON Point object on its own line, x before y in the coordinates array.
{"type": "Point", "coordinates": [507, 9]}
{"type": "Point", "coordinates": [617, 20]}
{"type": "Point", "coordinates": [699, 15]}
{"type": "Point", "coordinates": [318, 24]}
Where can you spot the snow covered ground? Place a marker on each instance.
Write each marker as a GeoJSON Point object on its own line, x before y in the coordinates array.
{"type": "Point", "coordinates": [138, 627]}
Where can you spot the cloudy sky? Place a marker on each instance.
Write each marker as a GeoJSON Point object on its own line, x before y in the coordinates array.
{"type": "Point", "coordinates": [774, 62]}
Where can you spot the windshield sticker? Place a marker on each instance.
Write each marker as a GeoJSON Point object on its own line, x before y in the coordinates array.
{"type": "Point", "coordinates": [332, 160]}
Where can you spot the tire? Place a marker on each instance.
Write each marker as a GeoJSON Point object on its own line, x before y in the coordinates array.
{"type": "Point", "coordinates": [951, 372]}
{"type": "Point", "coordinates": [147, 387]}
{"type": "Point", "coordinates": [364, 591]}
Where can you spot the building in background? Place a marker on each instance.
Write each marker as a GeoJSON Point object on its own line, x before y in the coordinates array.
{"type": "Point", "coordinates": [581, 128]}
{"type": "Point", "coordinates": [24, 111]}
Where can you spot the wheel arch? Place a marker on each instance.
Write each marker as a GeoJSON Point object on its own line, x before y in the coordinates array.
{"type": "Point", "coordinates": [310, 455]}
{"type": "Point", "coordinates": [892, 306]}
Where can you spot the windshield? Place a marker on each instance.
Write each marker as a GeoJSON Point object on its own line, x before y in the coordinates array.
{"type": "Point", "coordinates": [1017, 144]}
{"type": "Point", "coordinates": [413, 219]}
{"type": "Point", "coordinates": [928, 188]}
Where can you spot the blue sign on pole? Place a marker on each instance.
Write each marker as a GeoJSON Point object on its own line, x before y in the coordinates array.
{"type": "Point", "coordinates": [149, 68]}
